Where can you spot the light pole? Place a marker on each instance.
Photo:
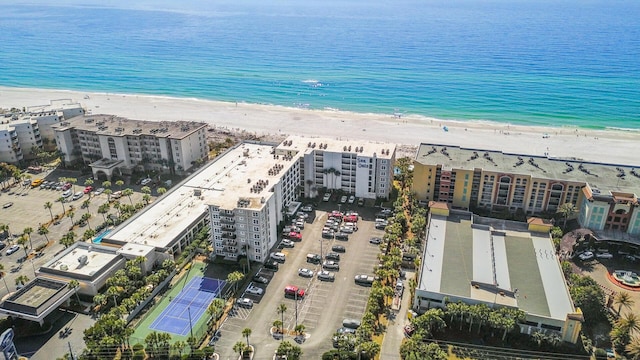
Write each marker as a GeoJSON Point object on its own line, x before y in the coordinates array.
{"type": "Point", "coordinates": [296, 309]}
{"type": "Point", "coordinates": [190, 324]}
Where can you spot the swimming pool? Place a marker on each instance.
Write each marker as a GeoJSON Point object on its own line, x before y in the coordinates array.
{"type": "Point", "coordinates": [98, 239]}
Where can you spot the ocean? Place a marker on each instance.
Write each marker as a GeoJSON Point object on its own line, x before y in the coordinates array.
{"type": "Point", "coordinates": [548, 63]}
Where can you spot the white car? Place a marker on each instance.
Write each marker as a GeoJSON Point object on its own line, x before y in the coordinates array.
{"type": "Point", "coordinates": [252, 289]}
{"type": "Point", "coordinates": [98, 191]}
{"type": "Point", "coordinates": [145, 182]}
{"type": "Point", "coordinates": [307, 208]}
{"type": "Point", "coordinates": [245, 302]}
{"type": "Point", "coordinates": [287, 243]}
{"type": "Point", "coordinates": [352, 199]}
{"type": "Point", "coordinates": [326, 197]}
{"type": "Point", "coordinates": [278, 256]}
{"type": "Point", "coordinates": [343, 199]}
{"type": "Point", "coordinates": [326, 276]}
{"type": "Point", "coordinates": [13, 249]}
{"type": "Point", "coordinates": [67, 193]}
{"type": "Point", "coordinates": [588, 255]}
{"type": "Point", "coordinates": [78, 195]}
{"type": "Point", "coordinates": [304, 272]}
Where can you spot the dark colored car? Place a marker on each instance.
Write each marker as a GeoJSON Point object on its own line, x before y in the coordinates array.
{"type": "Point", "coordinates": [375, 240]}
{"type": "Point", "coordinates": [260, 279]}
{"type": "Point", "coordinates": [271, 264]}
{"type": "Point", "coordinates": [342, 236]}
{"type": "Point", "coordinates": [338, 248]}
{"type": "Point", "coordinates": [332, 256]}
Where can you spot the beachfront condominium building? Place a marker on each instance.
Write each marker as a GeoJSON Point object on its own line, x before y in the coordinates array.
{"type": "Point", "coordinates": [611, 214]}
{"type": "Point", "coordinates": [19, 140]}
{"type": "Point", "coordinates": [241, 197]}
{"type": "Point", "coordinates": [496, 181]}
{"type": "Point", "coordinates": [361, 168]}
{"type": "Point", "coordinates": [498, 263]}
{"type": "Point", "coordinates": [110, 143]}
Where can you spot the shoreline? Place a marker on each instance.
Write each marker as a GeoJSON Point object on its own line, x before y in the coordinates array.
{"type": "Point", "coordinates": [617, 146]}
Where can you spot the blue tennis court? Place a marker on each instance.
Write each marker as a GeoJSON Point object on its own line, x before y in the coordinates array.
{"type": "Point", "coordinates": [195, 298]}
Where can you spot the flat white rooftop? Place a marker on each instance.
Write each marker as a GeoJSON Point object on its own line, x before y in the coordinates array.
{"type": "Point", "coordinates": [460, 254]}
{"type": "Point", "coordinates": [97, 259]}
{"type": "Point", "coordinates": [246, 172]}
{"type": "Point", "coordinates": [369, 148]}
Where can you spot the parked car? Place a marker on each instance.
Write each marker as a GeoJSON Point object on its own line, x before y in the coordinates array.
{"type": "Point", "coordinates": [98, 191]}
{"type": "Point", "coordinates": [343, 199]}
{"type": "Point", "coordinates": [330, 265]}
{"type": "Point", "coordinates": [245, 302]}
{"type": "Point", "coordinates": [116, 195]}
{"type": "Point", "coordinates": [365, 280]}
{"type": "Point", "coordinates": [307, 208]}
{"type": "Point", "coordinates": [2, 245]}
{"type": "Point", "coordinates": [314, 258]}
{"type": "Point", "coordinates": [78, 195]}
{"type": "Point", "coordinates": [361, 202]}
{"type": "Point", "coordinates": [375, 240]}
{"type": "Point", "coordinates": [145, 182]}
{"type": "Point", "coordinates": [271, 265]}
{"type": "Point", "coordinates": [604, 255]}
{"type": "Point", "coordinates": [67, 193]}
{"type": "Point", "coordinates": [587, 255]}
{"type": "Point", "coordinates": [12, 249]}
{"type": "Point", "coordinates": [294, 292]}
{"type": "Point", "coordinates": [326, 276]}
{"type": "Point", "coordinates": [287, 243]}
{"type": "Point", "coordinates": [304, 272]}
{"type": "Point", "coordinates": [88, 189]}
{"type": "Point", "coordinates": [351, 323]}
{"type": "Point", "coordinates": [327, 234]}
{"type": "Point", "coordinates": [252, 289]}
{"type": "Point", "coordinates": [338, 248]}
{"type": "Point", "coordinates": [352, 199]}
{"type": "Point", "coordinates": [342, 236]}
{"type": "Point", "coordinates": [332, 256]}
{"type": "Point", "coordinates": [260, 279]}
{"type": "Point", "coordinates": [7, 205]}
{"type": "Point", "coordinates": [278, 256]}
{"type": "Point", "coordinates": [326, 197]}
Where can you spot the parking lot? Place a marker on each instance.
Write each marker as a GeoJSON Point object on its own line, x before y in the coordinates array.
{"type": "Point", "coordinates": [27, 210]}
{"type": "Point", "coordinates": [325, 303]}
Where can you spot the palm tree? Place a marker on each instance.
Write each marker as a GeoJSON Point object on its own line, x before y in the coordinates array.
{"type": "Point", "coordinates": [234, 278]}
{"type": "Point", "coordinates": [61, 200]}
{"type": "Point", "coordinates": [22, 279]}
{"type": "Point", "coordinates": [567, 209]}
{"type": "Point", "coordinates": [179, 346]}
{"type": "Point", "coordinates": [161, 191]}
{"type": "Point", "coordinates": [27, 231]}
{"type": "Point", "coordinates": [246, 332]}
{"type": "Point", "coordinates": [128, 192]}
{"type": "Point", "coordinates": [48, 205]}
{"type": "Point", "coordinates": [73, 182]}
{"type": "Point", "coordinates": [623, 299]}
{"type": "Point", "coordinates": [106, 184]}
{"type": "Point", "coordinates": [104, 209]}
{"type": "Point", "coordinates": [633, 349]}
{"type": "Point", "coordinates": [119, 183]}
{"type": "Point", "coordinates": [22, 241]}
{"type": "Point", "coordinates": [75, 285]}
{"type": "Point", "coordinates": [240, 348]}
{"type": "Point", "coordinates": [371, 348]}
{"type": "Point", "coordinates": [282, 308]}
{"type": "Point", "coordinates": [4, 228]}
{"type": "Point", "coordinates": [43, 230]}
{"type": "Point", "coordinates": [70, 215]}
{"type": "Point", "coordinates": [85, 217]}
{"type": "Point", "coordinates": [68, 239]}
{"type": "Point", "coordinates": [213, 310]}
{"type": "Point", "coordinates": [146, 198]}
{"type": "Point", "coordinates": [108, 192]}
{"type": "Point", "coordinates": [2, 274]}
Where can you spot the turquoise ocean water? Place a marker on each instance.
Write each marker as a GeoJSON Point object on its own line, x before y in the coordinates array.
{"type": "Point", "coordinates": [559, 63]}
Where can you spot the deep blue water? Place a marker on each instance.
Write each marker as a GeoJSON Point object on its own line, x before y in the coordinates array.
{"type": "Point", "coordinates": [561, 63]}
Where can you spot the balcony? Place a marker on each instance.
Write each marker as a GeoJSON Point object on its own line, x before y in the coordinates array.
{"type": "Point", "coordinates": [227, 220]}
{"type": "Point", "coordinates": [231, 249]}
{"type": "Point", "coordinates": [232, 243]}
{"type": "Point", "coordinates": [229, 235]}
{"type": "Point", "coordinates": [228, 227]}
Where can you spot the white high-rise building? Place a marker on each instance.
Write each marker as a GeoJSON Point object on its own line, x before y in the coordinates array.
{"type": "Point", "coordinates": [110, 143]}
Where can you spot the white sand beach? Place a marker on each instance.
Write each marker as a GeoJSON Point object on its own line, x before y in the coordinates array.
{"type": "Point", "coordinates": [608, 146]}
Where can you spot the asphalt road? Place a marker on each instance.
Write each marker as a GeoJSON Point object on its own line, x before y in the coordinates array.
{"type": "Point", "coordinates": [326, 303]}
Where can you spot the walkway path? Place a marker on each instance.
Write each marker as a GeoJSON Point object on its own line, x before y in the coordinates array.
{"type": "Point", "coordinates": [394, 335]}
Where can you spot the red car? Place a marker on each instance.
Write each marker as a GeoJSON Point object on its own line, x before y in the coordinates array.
{"type": "Point", "coordinates": [66, 186]}
{"type": "Point", "coordinates": [88, 189]}
{"type": "Point", "coordinates": [351, 218]}
{"type": "Point", "coordinates": [293, 291]}
{"type": "Point", "coordinates": [295, 236]}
